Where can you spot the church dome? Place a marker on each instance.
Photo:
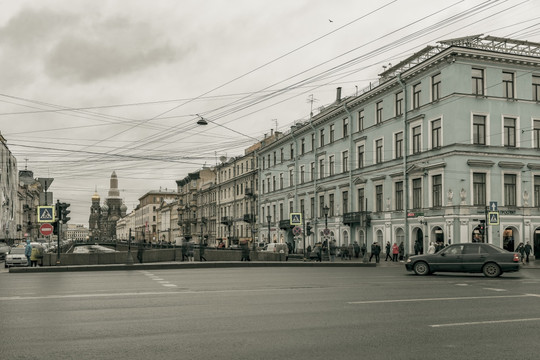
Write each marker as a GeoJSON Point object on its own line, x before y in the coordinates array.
{"type": "Point", "coordinates": [123, 208]}
{"type": "Point", "coordinates": [104, 208]}
{"type": "Point", "coordinates": [96, 196]}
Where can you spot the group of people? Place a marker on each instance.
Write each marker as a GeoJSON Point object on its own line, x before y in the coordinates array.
{"type": "Point", "coordinates": [33, 254]}
{"type": "Point", "coordinates": [524, 250]}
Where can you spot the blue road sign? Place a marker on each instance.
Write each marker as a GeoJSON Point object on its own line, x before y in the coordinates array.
{"type": "Point", "coordinates": [493, 218]}
{"type": "Point", "coordinates": [45, 213]}
{"type": "Point", "coordinates": [493, 206]}
{"type": "Point", "coordinates": [296, 218]}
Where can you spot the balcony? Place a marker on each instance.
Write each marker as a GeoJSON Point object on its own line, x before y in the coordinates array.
{"type": "Point", "coordinates": [226, 220]}
{"type": "Point", "coordinates": [249, 218]}
{"type": "Point", "coordinates": [249, 192]}
{"type": "Point", "coordinates": [285, 224]}
{"type": "Point", "coordinates": [355, 218]}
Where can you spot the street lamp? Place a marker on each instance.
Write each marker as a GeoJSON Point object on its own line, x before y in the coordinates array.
{"type": "Point", "coordinates": [269, 218]}
{"type": "Point", "coordinates": [326, 209]}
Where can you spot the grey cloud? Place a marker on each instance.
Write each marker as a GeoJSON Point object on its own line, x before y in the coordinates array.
{"type": "Point", "coordinates": [30, 26]}
{"type": "Point", "coordinates": [80, 59]}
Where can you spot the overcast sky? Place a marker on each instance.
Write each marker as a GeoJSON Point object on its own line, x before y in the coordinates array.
{"type": "Point", "coordinates": [92, 87]}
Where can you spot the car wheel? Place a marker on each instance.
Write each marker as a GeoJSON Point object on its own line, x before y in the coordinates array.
{"type": "Point", "coordinates": [421, 268]}
{"type": "Point", "coordinates": [491, 270]}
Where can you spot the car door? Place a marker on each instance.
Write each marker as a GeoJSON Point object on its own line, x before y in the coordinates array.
{"type": "Point", "coordinates": [448, 259]}
{"type": "Point", "coordinates": [473, 257]}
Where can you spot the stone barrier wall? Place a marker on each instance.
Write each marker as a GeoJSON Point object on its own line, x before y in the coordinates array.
{"type": "Point", "coordinates": [153, 256]}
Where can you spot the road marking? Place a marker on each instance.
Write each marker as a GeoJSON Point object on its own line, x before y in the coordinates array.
{"type": "Point", "coordinates": [493, 289]}
{"type": "Point", "coordinates": [462, 284]}
{"type": "Point", "coordinates": [153, 293]}
{"type": "Point", "coordinates": [436, 299]}
{"type": "Point", "coordinates": [484, 322]}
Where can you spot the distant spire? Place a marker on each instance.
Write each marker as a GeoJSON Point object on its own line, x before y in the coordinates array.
{"type": "Point", "coordinates": [113, 191]}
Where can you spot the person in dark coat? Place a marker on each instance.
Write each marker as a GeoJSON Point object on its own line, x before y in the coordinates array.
{"type": "Point", "coordinates": [201, 251]}
{"type": "Point", "coordinates": [140, 252]}
{"type": "Point", "coordinates": [363, 249]}
{"type": "Point", "coordinates": [185, 250]}
{"type": "Point", "coordinates": [356, 249]}
{"type": "Point", "coordinates": [245, 251]}
{"type": "Point", "coordinates": [388, 252]}
{"type": "Point", "coordinates": [528, 250]}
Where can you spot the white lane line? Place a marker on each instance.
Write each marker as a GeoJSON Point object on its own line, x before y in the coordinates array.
{"type": "Point", "coordinates": [493, 289]}
{"type": "Point", "coordinates": [435, 299]}
{"type": "Point", "coordinates": [183, 292]}
{"type": "Point", "coordinates": [484, 322]}
{"type": "Point", "coordinates": [169, 285]}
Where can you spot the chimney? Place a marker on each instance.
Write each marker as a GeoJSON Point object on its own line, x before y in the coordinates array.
{"type": "Point", "coordinates": [271, 132]}
{"type": "Point", "coordinates": [338, 94]}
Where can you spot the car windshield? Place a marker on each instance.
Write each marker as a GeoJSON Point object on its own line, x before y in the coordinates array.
{"type": "Point", "coordinates": [17, 251]}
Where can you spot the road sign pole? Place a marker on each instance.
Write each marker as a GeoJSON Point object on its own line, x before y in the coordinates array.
{"type": "Point", "coordinates": [487, 227]}
{"type": "Point", "coordinates": [304, 236]}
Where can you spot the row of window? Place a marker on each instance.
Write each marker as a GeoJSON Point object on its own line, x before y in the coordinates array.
{"type": "Point", "coordinates": [508, 81]}
{"type": "Point", "coordinates": [479, 197]}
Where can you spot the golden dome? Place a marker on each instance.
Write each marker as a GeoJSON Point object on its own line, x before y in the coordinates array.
{"type": "Point", "coordinates": [96, 196]}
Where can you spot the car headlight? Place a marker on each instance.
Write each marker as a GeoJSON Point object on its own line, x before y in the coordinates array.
{"type": "Point", "coordinates": [409, 260]}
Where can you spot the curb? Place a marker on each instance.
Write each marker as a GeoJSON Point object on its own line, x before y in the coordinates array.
{"type": "Point", "coordinates": [184, 265]}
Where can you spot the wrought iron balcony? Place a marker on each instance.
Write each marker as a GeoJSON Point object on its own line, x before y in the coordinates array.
{"type": "Point", "coordinates": [285, 224]}
{"type": "Point", "coordinates": [226, 220]}
{"type": "Point", "coordinates": [355, 218]}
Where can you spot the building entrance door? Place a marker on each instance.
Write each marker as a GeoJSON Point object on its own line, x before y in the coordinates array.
{"type": "Point", "coordinates": [537, 244]}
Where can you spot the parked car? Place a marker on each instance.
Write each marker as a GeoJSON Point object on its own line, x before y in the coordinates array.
{"type": "Point", "coordinates": [16, 257]}
{"type": "Point", "coordinates": [4, 250]}
{"type": "Point", "coordinates": [468, 257]}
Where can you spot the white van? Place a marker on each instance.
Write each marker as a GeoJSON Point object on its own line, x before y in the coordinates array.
{"type": "Point", "coordinates": [278, 248]}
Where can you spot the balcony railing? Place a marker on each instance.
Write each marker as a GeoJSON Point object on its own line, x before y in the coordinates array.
{"type": "Point", "coordinates": [285, 224]}
{"type": "Point", "coordinates": [226, 220]}
{"type": "Point", "coordinates": [355, 218]}
{"type": "Point", "coordinates": [249, 218]}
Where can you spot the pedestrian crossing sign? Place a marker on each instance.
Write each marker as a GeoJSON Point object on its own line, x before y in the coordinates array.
{"type": "Point", "coordinates": [46, 214]}
{"type": "Point", "coordinates": [493, 217]}
{"type": "Point", "coordinates": [296, 219]}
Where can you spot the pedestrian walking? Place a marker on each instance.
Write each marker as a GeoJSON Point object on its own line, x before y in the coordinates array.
{"type": "Point", "coordinates": [431, 248]}
{"type": "Point", "coordinates": [356, 249]}
{"type": "Point", "coordinates": [388, 253]}
{"type": "Point", "coordinates": [28, 252]}
{"type": "Point", "coordinates": [344, 250]}
{"type": "Point", "coordinates": [528, 250]}
{"type": "Point", "coordinates": [377, 252]}
{"type": "Point", "coordinates": [350, 250]}
{"type": "Point", "coordinates": [201, 251]}
{"type": "Point", "coordinates": [333, 250]}
{"type": "Point", "coordinates": [363, 249]}
{"type": "Point", "coordinates": [395, 252]}
{"type": "Point", "coordinates": [401, 251]}
{"type": "Point", "coordinates": [190, 252]}
{"type": "Point", "coordinates": [184, 250]}
{"type": "Point", "coordinates": [521, 251]}
{"type": "Point", "coordinates": [140, 252]}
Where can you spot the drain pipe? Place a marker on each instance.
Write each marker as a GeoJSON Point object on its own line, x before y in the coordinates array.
{"type": "Point", "coordinates": [350, 167]}
{"type": "Point", "coordinates": [405, 173]}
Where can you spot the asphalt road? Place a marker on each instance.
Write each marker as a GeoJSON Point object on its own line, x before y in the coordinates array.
{"type": "Point", "coordinates": [269, 313]}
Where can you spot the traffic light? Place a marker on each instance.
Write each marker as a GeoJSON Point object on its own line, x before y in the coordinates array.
{"type": "Point", "coordinates": [368, 220]}
{"type": "Point", "coordinates": [482, 227]}
{"type": "Point", "coordinates": [63, 214]}
{"type": "Point", "coordinates": [308, 229]}
{"type": "Point", "coordinates": [55, 227]}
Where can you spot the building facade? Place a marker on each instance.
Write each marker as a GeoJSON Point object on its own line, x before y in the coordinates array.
{"type": "Point", "coordinates": [420, 156]}
{"type": "Point", "coordinates": [9, 184]}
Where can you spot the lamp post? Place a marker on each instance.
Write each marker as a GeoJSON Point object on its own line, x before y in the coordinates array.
{"type": "Point", "coordinates": [269, 218]}
{"type": "Point", "coordinates": [326, 209]}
